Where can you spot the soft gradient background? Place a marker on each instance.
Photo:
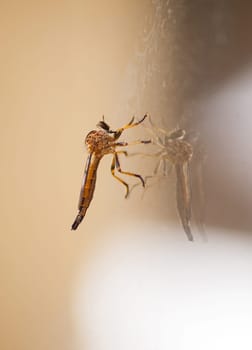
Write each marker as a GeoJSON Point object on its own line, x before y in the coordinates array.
{"type": "Point", "coordinates": [128, 278]}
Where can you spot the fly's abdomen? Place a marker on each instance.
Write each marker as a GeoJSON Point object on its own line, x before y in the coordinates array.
{"type": "Point", "coordinates": [87, 189]}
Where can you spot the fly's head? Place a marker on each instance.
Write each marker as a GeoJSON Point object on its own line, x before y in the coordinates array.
{"type": "Point", "coordinates": [104, 126]}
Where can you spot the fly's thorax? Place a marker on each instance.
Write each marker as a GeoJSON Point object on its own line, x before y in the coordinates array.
{"type": "Point", "coordinates": [179, 151]}
{"type": "Point", "coordinates": [99, 142]}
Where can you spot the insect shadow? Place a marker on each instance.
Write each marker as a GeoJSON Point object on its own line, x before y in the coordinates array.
{"type": "Point", "coordinates": [175, 151]}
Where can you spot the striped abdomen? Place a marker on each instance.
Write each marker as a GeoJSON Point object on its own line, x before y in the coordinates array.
{"type": "Point", "coordinates": [87, 189]}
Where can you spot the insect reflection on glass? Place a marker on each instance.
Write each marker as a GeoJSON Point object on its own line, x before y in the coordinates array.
{"type": "Point", "coordinates": [175, 149]}
{"type": "Point", "coordinates": [99, 143]}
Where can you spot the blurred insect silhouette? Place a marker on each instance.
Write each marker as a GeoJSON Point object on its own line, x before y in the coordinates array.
{"type": "Point", "coordinates": [99, 143]}
{"type": "Point", "coordinates": [175, 149]}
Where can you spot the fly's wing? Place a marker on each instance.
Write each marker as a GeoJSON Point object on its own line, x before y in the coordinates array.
{"type": "Point", "coordinates": [184, 196]}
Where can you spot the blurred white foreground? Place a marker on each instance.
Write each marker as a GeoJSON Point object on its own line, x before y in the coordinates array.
{"type": "Point", "coordinates": [149, 288]}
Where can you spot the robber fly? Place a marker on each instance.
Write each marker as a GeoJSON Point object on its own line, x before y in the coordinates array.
{"type": "Point", "coordinates": [99, 143]}
{"type": "Point", "coordinates": [175, 149]}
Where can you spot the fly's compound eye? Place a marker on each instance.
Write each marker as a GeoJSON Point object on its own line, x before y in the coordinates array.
{"type": "Point", "coordinates": [90, 136]}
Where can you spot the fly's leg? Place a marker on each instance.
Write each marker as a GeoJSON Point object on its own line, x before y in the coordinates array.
{"type": "Point", "coordinates": [117, 164]}
{"type": "Point", "coordinates": [154, 126]}
{"type": "Point", "coordinates": [157, 140]}
{"type": "Point", "coordinates": [113, 165]}
{"type": "Point", "coordinates": [115, 161]}
{"type": "Point", "coordinates": [137, 142]}
{"type": "Point", "coordinates": [131, 124]}
{"type": "Point", "coordinates": [162, 161]}
{"type": "Point", "coordinates": [155, 171]}
{"type": "Point", "coordinates": [123, 152]}
{"type": "Point", "coordinates": [177, 134]}
{"type": "Point", "coordinates": [167, 167]}
{"type": "Point", "coordinates": [157, 175]}
{"type": "Point", "coordinates": [154, 131]}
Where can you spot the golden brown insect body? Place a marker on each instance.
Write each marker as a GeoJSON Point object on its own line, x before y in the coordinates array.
{"type": "Point", "coordinates": [100, 143]}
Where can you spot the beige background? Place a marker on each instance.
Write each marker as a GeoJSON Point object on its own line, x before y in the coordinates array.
{"type": "Point", "coordinates": [128, 278]}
